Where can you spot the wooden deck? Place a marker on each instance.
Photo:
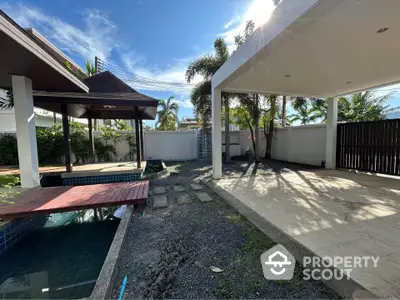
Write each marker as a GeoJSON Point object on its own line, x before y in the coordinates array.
{"type": "Point", "coordinates": [69, 198]}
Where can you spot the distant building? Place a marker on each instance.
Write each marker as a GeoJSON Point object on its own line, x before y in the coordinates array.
{"type": "Point", "coordinates": [190, 123]}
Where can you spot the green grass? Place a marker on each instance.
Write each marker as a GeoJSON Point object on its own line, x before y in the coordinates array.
{"type": "Point", "coordinates": [246, 267]}
{"type": "Point", "coordinates": [9, 180]}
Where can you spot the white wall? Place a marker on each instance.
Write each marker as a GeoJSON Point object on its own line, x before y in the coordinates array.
{"type": "Point", "coordinates": [170, 145]}
{"type": "Point", "coordinates": [300, 144]}
{"type": "Point", "coordinates": [7, 121]}
{"type": "Point", "coordinates": [43, 118]}
{"type": "Point", "coordinates": [246, 143]}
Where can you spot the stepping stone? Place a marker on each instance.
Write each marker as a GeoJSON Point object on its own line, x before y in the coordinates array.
{"type": "Point", "coordinates": [196, 187]}
{"type": "Point", "coordinates": [184, 198]}
{"type": "Point", "coordinates": [160, 201]}
{"type": "Point", "coordinates": [179, 188]}
{"type": "Point", "coordinates": [159, 190]}
{"type": "Point", "coordinates": [204, 197]}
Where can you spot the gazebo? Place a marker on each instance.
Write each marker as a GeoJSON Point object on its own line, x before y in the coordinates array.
{"type": "Point", "coordinates": [38, 78]}
{"type": "Point", "coordinates": [109, 98]}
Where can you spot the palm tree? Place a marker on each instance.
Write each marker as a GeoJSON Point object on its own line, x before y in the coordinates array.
{"type": "Point", "coordinates": [364, 106]}
{"type": "Point", "coordinates": [168, 114]}
{"type": "Point", "coordinates": [206, 66]}
{"type": "Point", "coordinates": [303, 111]}
{"type": "Point", "coordinates": [7, 101]}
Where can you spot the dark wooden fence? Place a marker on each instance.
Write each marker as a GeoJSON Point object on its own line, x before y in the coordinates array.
{"type": "Point", "coordinates": [369, 146]}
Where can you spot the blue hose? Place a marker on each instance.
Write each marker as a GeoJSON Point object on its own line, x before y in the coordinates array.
{"type": "Point", "coordinates": [121, 292]}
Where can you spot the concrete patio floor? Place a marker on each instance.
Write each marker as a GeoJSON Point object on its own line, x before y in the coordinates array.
{"type": "Point", "coordinates": [331, 213]}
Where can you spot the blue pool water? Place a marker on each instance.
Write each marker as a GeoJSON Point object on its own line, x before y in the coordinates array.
{"type": "Point", "coordinates": [61, 259]}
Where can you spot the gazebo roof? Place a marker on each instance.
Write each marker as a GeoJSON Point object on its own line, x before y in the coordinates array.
{"type": "Point", "coordinates": [22, 55]}
{"type": "Point", "coordinates": [109, 98]}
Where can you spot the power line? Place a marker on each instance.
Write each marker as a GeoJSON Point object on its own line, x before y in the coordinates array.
{"type": "Point", "coordinates": [141, 81]}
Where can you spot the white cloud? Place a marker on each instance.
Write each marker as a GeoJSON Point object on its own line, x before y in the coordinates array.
{"type": "Point", "coordinates": [259, 11]}
{"type": "Point", "coordinates": [99, 38]}
{"type": "Point", "coordinates": [233, 21]}
{"type": "Point", "coordinates": [174, 73]}
{"type": "Point", "coordinates": [184, 103]}
{"type": "Point", "coordinates": [96, 39]}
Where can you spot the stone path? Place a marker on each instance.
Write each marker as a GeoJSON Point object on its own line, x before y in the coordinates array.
{"type": "Point", "coordinates": [160, 201]}
{"type": "Point", "coordinates": [159, 190]}
{"type": "Point", "coordinates": [166, 195]}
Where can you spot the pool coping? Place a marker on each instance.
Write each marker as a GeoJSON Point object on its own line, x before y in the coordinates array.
{"type": "Point", "coordinates": [106, 279]}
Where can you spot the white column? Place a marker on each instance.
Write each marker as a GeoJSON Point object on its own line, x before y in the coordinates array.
{"type": "Point", "coordinates": [216, 133]}
{"type": "Point", "coordinates": [331, 130]}
{"type": "Point", "coordinates": [26, 134]}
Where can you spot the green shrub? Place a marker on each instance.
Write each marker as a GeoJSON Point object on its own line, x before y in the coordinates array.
{"type": "Point", "coordinates": [50, 143]}
{"type": "Point", "coordinates": [8, 149]}
{"type": "Point", "coordinates": [80, 145]}
{"type": "Point", "coordinates": [104, 152]}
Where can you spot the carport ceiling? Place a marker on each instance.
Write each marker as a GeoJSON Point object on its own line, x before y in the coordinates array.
{"type": "Point", "coordinates": [21, 55]}
{"type": "Point", "coordinates": [319, 48]}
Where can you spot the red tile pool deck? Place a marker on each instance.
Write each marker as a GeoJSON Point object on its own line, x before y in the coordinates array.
{"type": "Point", "coordinates": [68, 198]}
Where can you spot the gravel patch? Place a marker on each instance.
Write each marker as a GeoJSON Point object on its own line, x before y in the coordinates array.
{"type": "Point", "coordinates": [169, 251]}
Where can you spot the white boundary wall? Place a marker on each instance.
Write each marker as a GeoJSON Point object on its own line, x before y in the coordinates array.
{"type": "Point", "coordinates": [170, 145]}
{"type": "Point", "coordinates": [299, 144]}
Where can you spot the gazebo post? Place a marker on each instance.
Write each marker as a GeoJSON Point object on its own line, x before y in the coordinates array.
{"type": "Point", "coordinates": [91, 140]}
{"type": "Point", "coordinates": [67, 145]}
{"type": "Point", "coordinates": [138, 160]}
{"type": "Point", "coordinates": [141, 138]}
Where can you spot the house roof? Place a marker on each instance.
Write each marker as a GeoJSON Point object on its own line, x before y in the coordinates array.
{"type": "Point", "coordinates": [22, 55]}
{"type": "Point", "coordinates": [319, 48]}
{"type": "Point", "coordinates": [109, 98]}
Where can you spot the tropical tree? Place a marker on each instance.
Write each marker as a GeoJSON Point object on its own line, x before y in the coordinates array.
{"type": "Point", "coordinates": [270, 119]}
{"type": "Point", "coordinates": [7, 100]}
{"type": "Point", "coordinates": [122, 125]}
{"type": "Point", "coordinates": [364, 106]}
{"type": "Point", "coordinates": [167, 114]}
{"type": "Point", "coordinates": [206, 66]}
{"type": "Point", "coordinates": [303, 111]}
{"type": "Point", "coordinates": [90, 70]}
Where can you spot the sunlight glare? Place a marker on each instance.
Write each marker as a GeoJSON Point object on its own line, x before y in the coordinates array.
{"type": "Point", "coordinates": [259, 11]}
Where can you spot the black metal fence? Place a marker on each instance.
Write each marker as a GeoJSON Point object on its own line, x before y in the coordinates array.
{"type": "Point", "coordinates": [369, 146]}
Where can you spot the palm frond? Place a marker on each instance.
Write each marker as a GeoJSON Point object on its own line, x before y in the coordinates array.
{"type": "Point", "coordinates": [7, 101]}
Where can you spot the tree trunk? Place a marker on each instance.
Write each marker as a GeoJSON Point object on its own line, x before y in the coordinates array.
{"type": "Point", "coordinates": [227, 140]}
{"type": "Point", "coordinates": [256, 129]}
{"type": "Point", "coordinates": [54, 118]}
{"type": "Point", "coordinates": [270, 133]}
{"type": "Point", "coordinates": [252, 137]}
{"type": "Point", "coordinates": [284, 111]}
{"type": "Point", "coordinates": [269, 136]}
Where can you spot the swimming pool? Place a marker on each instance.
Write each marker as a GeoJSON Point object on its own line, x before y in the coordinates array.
{"type": "Point", "coordinates": [61, 259]}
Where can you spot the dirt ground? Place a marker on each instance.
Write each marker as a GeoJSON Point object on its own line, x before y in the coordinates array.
{"type": "Point", "coordinates": [170, 252]}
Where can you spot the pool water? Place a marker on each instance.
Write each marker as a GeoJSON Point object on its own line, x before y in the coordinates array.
{"type": "Point", "coordinates": [61, 260]}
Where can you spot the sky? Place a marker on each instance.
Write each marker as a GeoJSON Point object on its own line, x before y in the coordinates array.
{"type": "Point", "coordinates": [150, 38]}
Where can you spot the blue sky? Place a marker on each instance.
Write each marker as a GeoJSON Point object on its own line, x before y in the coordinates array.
{"type": "Point", "coordinates": [151, 38]}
